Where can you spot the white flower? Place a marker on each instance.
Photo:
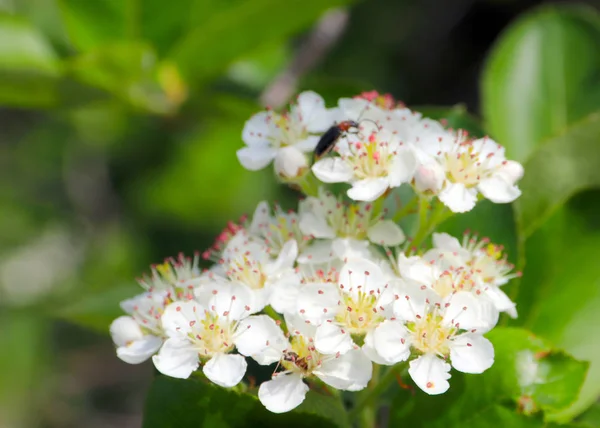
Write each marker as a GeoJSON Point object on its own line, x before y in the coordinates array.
{"type": "Point", "coordinates": [268, 133]}
{"type": "Point", "coordinates": [248, 262]}
{"type": "Point", "coordinates": [290, 163]}
{"type": "Point", "coordinates": [275, 231]}
{"type": "Point", "coordinates": [179, 273]}
{"type": "Point", "coordinates": [206, 331]}
{"type": "Point", "coordinates": [441, 334]}
{"type": "Point", "coordinates": [299, 359]}
{"type": "Point", "coordinates": [486, 261]}
{"type": "Point", "coordinates": [458, 169]}
{"type": "Point", "coordinates": [140, 335]}
{"type": "Point", "coordinates": [372, 162]}
{"type": "Point", "coordinates": [348, 310]}
{"type": "Point", "coordinates": [348, 228]}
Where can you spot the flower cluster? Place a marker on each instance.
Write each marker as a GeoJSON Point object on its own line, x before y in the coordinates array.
{"type": "Point", "coordinates": [325, 291]}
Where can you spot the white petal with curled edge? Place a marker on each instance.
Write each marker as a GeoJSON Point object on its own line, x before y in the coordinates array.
{"type": "Point", "coordinates": [139, 350]}
{"type": "Point", "coordinates": [260, 218]}
{"type": "Point", "coordinates": [350, 371]}
{"type": "Point", "coordinates": [501, 301]}
{"type": "Point", "coordinates": [458, 198]}
{"type": "Point", "coordinates": [498, 190]}
{"type": "Point", "coordinates": [430, 373]}
{"type": "Point", "coordinates": [317, 302]}
{"type": "Point", "coordinates": [392, 341]}
{"type": "Point", "coordinates": [290, 162]}
{"type": "Point", "coordinates": [227, 299]}
{"type": "Point", "coordinates": [261, 338]}
{"type": "Point", "coordinates": [369, 189]}
{"type": "Point", "coordinates": [283, 393]}
{"type": "Point", "coordinates": [403, 166]}
{"type": "Point", "coordinates": [362, 275]}
{"type": "Point", "coordinates": [446, 242]}
{"type": "Point", "coordinates": [256, 129]}
{"type": "Point", "coordinates": [225, 370]}
{"type": "Point", "coordinates": [177, 316]}
{"type": "Point", "coordinates": [386, 233]}
{"type": "Point", "coordinates": [511, 171]}
{"type": "Point", "coordinates": [286, 258]}
{"type": "Point", "coordinates": [177, 358]}
{"type": "Point", "coordinates": [467, 311]}
{"type": "Point", "coordinates": [471, 353]}
{"type": "Point", "coordinates": [124, 330]}
{"type": "Point", "coordinates": [255, 158]}
{"type": "Point", "coordinates": [369, 350]}
{"type": "Point", "coordinates": [331, 339]}
{"type": "Point", "coordinates": [332, 170]}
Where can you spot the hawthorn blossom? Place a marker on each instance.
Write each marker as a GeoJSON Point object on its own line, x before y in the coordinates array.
{"type": "Point", "coordinates": [206, 331]}
{"type": "Point", "coordinates": [486, 261]}
{"type": "Point", "coordinates": [442, 335]}
{"type": "Point", "coordinates": [249, 263]}
{"type": "Point", "coordinates": [275, 231]}
{"type": "Point", "coordinates": [174, 273]}
{"type": "Point", "coordinates": [347, 312]}
{"type": "Point", "coordinates": [139, 335]}
{"type": "Point", "coordinates": [299, 359]}
{"type": "Point", "coordinates": [457, 169]}
{"type": "Point", "coordinates": [285, 137]}
{"type": "Point", "coordinates": [346, 228]}
{"type": "Point", "coordinates": [372, 162]}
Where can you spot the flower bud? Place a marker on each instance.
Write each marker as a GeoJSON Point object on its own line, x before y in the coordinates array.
{"type": "Point", "coordinates": [429, 178]}
{"type": "Point", "coordinates": [290, 163]}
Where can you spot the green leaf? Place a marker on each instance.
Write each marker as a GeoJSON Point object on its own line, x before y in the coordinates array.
{"type": "Point", "coordinates": [542, 76]}
{"type": "Point", "coordinates": [182, 403]}
{"type": "Point", "coordinates": [557, 170]}
{"type": "Point", "coordinates": [241, 27]}
{"type": "Point", "coordinates": [560, 287]}
{"type": "Point", "coordinates": [528, 376]}
{"type": "Point", "coordinates": [29, 68]}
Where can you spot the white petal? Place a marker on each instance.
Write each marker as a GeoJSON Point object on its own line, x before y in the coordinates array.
{"type": "Point", "coordinates": [225, 370]}
{"type": "Point", "coordinates": [416, 269]}
{"type": "Point", "coordinates": [318, 302]}
{"type": "Point", "coordinates": [290, 162]}
{"type": "Point", "coordinates": [316, 226]}
{"type": "Point", "coordinates": [511, 171]}
{"type": "Point", "coordinates": [403, 167]}
{"type": "Point", "coordinates": [498, 190]}
{"type": "Point", "coordinates": [446, 242]}
{"type": "Point", "coordinates": [368, 189]}
{"type": "Point", "coordinates": [256, 129]}
{"type": "Point", "coordinates": [333, 170]}
{"type": "Point", "coordinates": [501, 301]}
{"type": "Point", "coordinates": [471, 353]}
{"type": "Point", "coordinates": [283, 393]}
{"type": "Point", "coordinates": [308, 144]}
{"type": "Point", "coordinates": [177, 316]}
{"type": "Point", "coordinates": [226, 299]}
{"type": "Point", "coordinates": [255, 158]}
{"type": "Point", "coordinates": [392, 341]}
{"type": "Point", "coordinates": [261, 338]}
{"type": "Point", "coordinates": [468, 312]}
{"type": "Point", "coordinates": [124, 330]}
{"type": "Point", "coordinates": [362, 275]}
{"type": "Point", "coordinates": [430, 373]}
{"type": "Point", "coordinates": [312, 110]}
{"type": "Point", "coordinates": [370, 352]}
{"type": "Point", "coordinates": [286, 258]}
{"type": "Point", "coordinates": [353, 108]}
{"type": "Point", "coordinates": [261, 217]}
{"type": "Point", "coordinates": [331, 339]}
{"type": "Point", "coordinates": [411, 301]}
{"type": "Point", "coordinates": [429, 176]}
{"type": "Point", "coordinates": [350, 371]}
{"type": "Point", "coordinates": [320, 251]}
{"type": "Point", "coordinates": [458, 198]}
{"type": "Point", "coordinates": [284, 293]}
{"type": "Point", "coordinates": [350, 248]}
{"type": "Point", "coordinates": [177, 358]}
{"type": "Point", "coordinates": [386, 233]}
{"type": "Point", "coordinates": [140, 350]}
{"type": "Point", "coordinates": [297, 326]}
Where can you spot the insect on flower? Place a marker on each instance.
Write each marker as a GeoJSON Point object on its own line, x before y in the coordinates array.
{"type": "Point", "coordinates": [338, 130]}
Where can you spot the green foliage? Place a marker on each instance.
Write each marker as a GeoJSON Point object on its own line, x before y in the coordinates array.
{"type": "Point", "coordinates": [193, 403]}
{"type": "Point", "coordinates": [528, 377]}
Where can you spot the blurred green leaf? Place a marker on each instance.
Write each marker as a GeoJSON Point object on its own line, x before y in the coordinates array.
{"type": "Point", "coordinates": [230, 32]}
{"type": "Point", "coordinates": [542, 75]}
{"type": "Point", "coordinates": [29, 68]}
{"type": "Point", "coordinates": [528, 376]}
{"type": "Point", "coordinates": [591, 417]}
{"type": "Point", "coordinates": [184, 403]}
{"type": "Point", "coordinates": [557, 170]}
{"type": "Point", "coordinates": [560, 287]}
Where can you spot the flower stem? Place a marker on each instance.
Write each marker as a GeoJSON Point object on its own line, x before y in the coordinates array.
{"type": "Point", "coordinates": [401, 213]}
{"type": "Point", "coordinates": [427, 226]}
{"type": "Point", "coordinates": [308, 185]}
{"type": "Point", "coordinates": [367, 404]}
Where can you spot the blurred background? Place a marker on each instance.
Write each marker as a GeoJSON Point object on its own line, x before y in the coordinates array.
{"type": "Point", "coordinates": [119, 123]}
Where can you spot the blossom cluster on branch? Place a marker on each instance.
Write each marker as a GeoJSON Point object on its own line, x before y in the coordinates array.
{"type": "Point", "coordinates": [325, 291]}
